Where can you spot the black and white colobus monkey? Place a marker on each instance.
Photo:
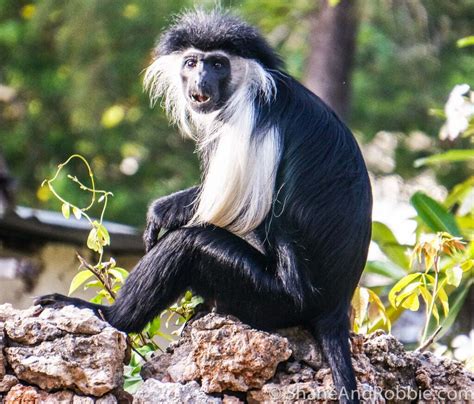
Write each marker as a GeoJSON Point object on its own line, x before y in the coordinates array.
{"type": "Point", "coordinates": [277, 233]}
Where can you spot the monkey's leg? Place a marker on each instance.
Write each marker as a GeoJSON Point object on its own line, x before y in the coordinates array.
{"type": "Point", "coordinates": [214, 263]}
{"type": "Point", "coordinates": [169, 212]}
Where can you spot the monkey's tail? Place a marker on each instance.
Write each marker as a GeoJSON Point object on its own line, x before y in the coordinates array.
{"type": "Point", "coordinates": [333, 336]}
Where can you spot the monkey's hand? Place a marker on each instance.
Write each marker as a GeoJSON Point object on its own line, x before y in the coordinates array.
{"type": "Point", "coordinates": [169, 212]}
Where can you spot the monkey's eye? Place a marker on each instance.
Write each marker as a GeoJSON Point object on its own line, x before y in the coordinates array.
{"type": "Point", "coordinates": [217, 65]}
{"type": "Point", "coordinates": [190, 63]}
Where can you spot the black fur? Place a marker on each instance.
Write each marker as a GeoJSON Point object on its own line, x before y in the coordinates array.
{"type": "Point", "coordinates": [217, 30]}
{"type": "Point", "coordinates": [314, 240]}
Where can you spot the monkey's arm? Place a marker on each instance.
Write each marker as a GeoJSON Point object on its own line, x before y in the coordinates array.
{"type": "Point", "coordinates": [169, 212]}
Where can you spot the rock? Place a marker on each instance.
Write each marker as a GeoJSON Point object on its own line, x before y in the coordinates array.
{"type": "Point", "coordinates": [92, 365]}
{"type": "Point", "coordinates": [303, 346]}
{"type": "Point", "coordinates": [63, 349]}
{"type": "Point", "coordinates": [380, 360]}
{"type": "Point", "coordinates": [30, 394]}
{"type": "Point", "coordinates": [223, 354]}
{"type": "Point", "coordinates": [52, 324]}
{"type": "Point", "coordinates": [70, 356]}
{"type": "Point", "coordinates": [2, 357]}
{"type": "Point", "coordinates": [154, 391]}
{"type": "Point", "coordinates": [7, 311]}
{"type": "Point", "coordinates": [444, 379]}
{"type": "Point", "coordinates": [7, 382]}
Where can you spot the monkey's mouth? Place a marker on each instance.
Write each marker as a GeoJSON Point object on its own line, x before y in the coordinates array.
{"type": "Point", "coordinates": [200, 98]}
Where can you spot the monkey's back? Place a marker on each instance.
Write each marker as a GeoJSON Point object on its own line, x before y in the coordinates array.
{"type": "Point", "coordinates": [323, 197]}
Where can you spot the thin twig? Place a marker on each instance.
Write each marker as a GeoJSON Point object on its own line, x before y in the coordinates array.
{"type": "Point", "coordinates": [429, 341]}
{"type": "Point", "coordinates": [137, 351]}
{"type": "Point", "coordinates": [88, 266]}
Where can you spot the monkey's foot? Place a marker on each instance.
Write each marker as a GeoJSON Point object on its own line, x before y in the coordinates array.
{"type": "Point", "coordinates": [58, 300]}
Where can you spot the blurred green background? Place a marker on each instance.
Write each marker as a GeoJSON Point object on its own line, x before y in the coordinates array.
{"type": "Point", "coordinates": [71, 82]}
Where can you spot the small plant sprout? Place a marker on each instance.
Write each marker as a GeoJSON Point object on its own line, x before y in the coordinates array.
{"type": "Point", "coordinates": [430, 283]}
{"type": "Point", "coordinates": [108, 276]}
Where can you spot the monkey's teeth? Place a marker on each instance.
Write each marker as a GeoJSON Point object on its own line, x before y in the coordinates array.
{"type": "Point", "coordinates": [200, 98]}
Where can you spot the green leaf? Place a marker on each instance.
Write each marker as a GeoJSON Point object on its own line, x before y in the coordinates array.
{"type": "Point", "coordinates": [451, 156]}
{"type": "Point", "coordinates": [443, 298]}
{"type": "Point", "coordinates": [454, 275]}
{"type": "Point", "coordinates": [79, 279]}
{"type": "Point", "coordinates": [400, 285]}
{"type": "Point", "coordinates": [92, 241]}
{"type": "Point", "coordinates": [131, 384]}
{"type": "Point", "coordinates": [386, 269]}
{"type": "Point", "coordinates": [97, 299]}
{"type": "Point", "coordinates": [94, 284]}
{"type": "Point", "coordinates": [119, 273]}
{"type": "Point", "coordinates": [412, 302]}
{"type": "Point", "coordinates": [467, 265]}
{"type": "Point", "coordinates": [76, 212]}
{"type": "Point", "coordinates": [425, 293]}
{"type": "Point", "coordinates": [380, 309]}
{"type": "Point", "coordinates": [410, 289]}
{"type": "Point", "coordinates": [435, 216]}
{"type": "Point", "coordinates": [66, 210]}
{"type": "Point", "coordinates": [456, 302]}
{"type": "Point", "coordinates": [389, 244]}
{"type": "Point", "coordinates": [360, 304]}
{"type": "Point", "coordinates": [154, 326]}
{"type": "Point", "coordinates": [459, 192]}
{"type": "Point", "coordinates": [103, 235]}
{"type": "Point", "coordinates": [466, 41]}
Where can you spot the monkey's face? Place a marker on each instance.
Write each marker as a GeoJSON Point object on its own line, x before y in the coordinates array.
{"type": "Point", "coordinates": [206, 79]}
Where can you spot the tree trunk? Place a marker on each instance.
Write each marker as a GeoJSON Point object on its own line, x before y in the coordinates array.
{"type": "Point", "coordinates": [332, 43]}
{"type": "Point", "coordinates": [6, 186]}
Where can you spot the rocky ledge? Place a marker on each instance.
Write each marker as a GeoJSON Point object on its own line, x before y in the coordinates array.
{"type": "Point", "coordinates": [68, 355]}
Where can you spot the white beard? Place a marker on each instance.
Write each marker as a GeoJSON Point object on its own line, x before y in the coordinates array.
{"type": "Point", "coordinates": [240, 169]}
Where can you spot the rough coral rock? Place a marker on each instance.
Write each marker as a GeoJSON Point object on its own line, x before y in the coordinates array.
{"type": "Point", "coordinates": [70, 356]}
{"type": "Point", "coordinates": [223, 354]}
{"type": "Point", "coordinates": [154, 391]}
{"type": "Point", "coordinates": [29, 394]}
{"type": "Point", "coordinates": [67, 348]}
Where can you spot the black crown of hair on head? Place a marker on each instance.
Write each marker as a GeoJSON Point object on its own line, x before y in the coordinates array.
{"type": "Point", "coordinates": [217, 30]}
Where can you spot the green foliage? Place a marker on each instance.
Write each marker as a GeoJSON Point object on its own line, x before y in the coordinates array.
{"type": "Point", "coordinates": [368, 311]}
{"type": "Point", "coordinates": [389, 245]}
{"type": "Point", "coordinates": [446, 258]}
{"type": "Point", "coordinates": [433, 214]}
{"type": "Point", "coordinates": [75, 68]}
{"type": "Point", "coordinates": [467, 41]}
{"type": "Point", "coordinates": [450, 156]}
{"type": "Point", "coordinates": [430, 287]}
